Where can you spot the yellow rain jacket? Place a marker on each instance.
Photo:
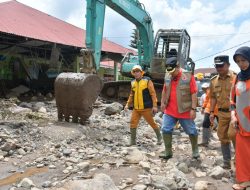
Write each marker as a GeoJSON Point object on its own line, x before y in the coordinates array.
{"type": "Point", "coordinates": [142, 94]}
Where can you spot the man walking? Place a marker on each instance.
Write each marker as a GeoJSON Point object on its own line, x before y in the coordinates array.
{"type": "Point", "coordinates": [220, 94]}
{"type": "Point", "coordinates": [143, 98]}
{"type": "Point", "coordinates": [206, 125]}
{"type": "Point", "coordinates": [178, 103]}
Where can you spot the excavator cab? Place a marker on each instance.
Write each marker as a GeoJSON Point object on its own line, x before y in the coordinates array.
{"type": "Point", "coordinates": [75, 93]}
{"type": "Point", "coordinates": [169, 43]}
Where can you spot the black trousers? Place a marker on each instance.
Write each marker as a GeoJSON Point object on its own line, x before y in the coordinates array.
{"type": "Point", "coordinates": [206, 121]}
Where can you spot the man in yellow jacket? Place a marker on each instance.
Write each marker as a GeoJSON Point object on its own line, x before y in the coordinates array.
{"type": "Point", "coordinates": [144, 101]}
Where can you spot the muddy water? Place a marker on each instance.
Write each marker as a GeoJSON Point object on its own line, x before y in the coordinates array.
{"type": "Point", "coordinates": [20, 175]}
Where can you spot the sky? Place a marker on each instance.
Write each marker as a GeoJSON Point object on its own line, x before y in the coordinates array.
{"type": "Point", "coordinates": [214, 25]}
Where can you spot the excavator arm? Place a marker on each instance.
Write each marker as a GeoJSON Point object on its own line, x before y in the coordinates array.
{"type": "Point", "coordinates": [132, 10]}
{"type": "Point", "coordinates": [75, 93]}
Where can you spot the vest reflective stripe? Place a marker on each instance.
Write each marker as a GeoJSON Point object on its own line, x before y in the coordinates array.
{"type": "Point", "coordinates": [243, 104]}
{"type": "Point", "coordinates": [142, 97]}
{"type": "Point", "coordinates": [168, 86]}
{"type": "Point", "coordinates": [184, 98]}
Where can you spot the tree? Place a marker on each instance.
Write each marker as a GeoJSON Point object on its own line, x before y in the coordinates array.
{"type": "Point", "coordinates": [135, 42]}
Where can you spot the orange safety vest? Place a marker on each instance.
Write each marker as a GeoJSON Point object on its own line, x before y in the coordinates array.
{"type": "Point", "coordinates": [184, 97]}
{"type": "Point", "coordinates": [240, 97]}
{"type": "Point", "coordinates": [206, 104]}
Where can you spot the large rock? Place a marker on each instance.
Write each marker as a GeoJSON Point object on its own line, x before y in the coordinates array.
{"type": "Point", "coordinates": [113, 108]}
{"type": "Point", "coordinates": [83, 166]}
{"type": "Point", "coordinates": [134, 155]}
{"type": "Point", "coordinates": [201, 185]}
{"type": "Point", "coordinates": [218, 172]}
{"type": "Point", "coordinates": [8, 146]}
{"type": "Point", "coordinates": [16, 110]}
{"type": "Point", "coordinates": [198, 173]}
{"type": "Point", "coordinates": [180, 178]}
{"type": "Point", "coordinates": [139, 187]}
{"type": "Point", "coordinates": [183, 167]}
{"type": "Point", "coordinates": [26, 183]}
{"type": "Point", "coordinates": [26, 105]}
{"type": "Point", "coordinates": [163, 183]}
{"type": "Point", "coordinates": [99, 182]}
{"type": "Point", "coordinates": [145, 165]}
{"type": "Point", "coordinates": [38, 105]}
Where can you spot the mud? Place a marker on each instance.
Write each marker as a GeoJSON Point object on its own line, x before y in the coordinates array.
{"type": "Point", "coordinates": [21, 175]}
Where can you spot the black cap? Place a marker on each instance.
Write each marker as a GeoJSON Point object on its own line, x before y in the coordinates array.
{"type": "Point", "coordinates": [221, 59]}
{"type": "Point", "coordinates": [171, 63]}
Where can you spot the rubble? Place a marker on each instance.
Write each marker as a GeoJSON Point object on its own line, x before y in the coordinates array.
{"type": "Point", "coordinates": [95, 155]}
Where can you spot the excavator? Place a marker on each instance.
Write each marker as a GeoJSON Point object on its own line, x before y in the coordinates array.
{"type": "Point", "coordinates": [75, 93]}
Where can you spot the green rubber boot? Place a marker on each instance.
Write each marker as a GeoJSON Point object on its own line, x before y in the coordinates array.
{"type": "Point", "coordinates": [168, 147]}
{"type": "Point", "coordinates": [132, 136]}
{"type": "Point", "coordinates": [158, 135]}
{"type": "Point", "coordinates": [195, 150]}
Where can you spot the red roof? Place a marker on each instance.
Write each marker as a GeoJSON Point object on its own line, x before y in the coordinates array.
{"type": "Point", "coordinates": [109, 64]}
{"type": "Point", "coordinates": [205, 71]}
{"type": "Point", "coordinates": [21, 20]}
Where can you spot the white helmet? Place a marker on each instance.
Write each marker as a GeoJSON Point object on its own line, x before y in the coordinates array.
{"type": "Point", "coordinates": [205, 85]}
{"type": "Point", "coordinates": [137, 67]}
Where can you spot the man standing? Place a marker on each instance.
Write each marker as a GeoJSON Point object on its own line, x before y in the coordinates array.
{"type": "Point", "coordinates": [178, 103]}
{"type": "Point", "coordinates": [204, 88]}
{"type": "Point", "coordinates": [220, 94]}
{"type": "Point", "coordinates": [206, 125]}
{"type": "Point", "coordinates": [143, 98]}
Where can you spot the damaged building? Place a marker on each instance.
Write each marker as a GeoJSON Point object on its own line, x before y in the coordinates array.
{"type": "Point", "coordinates": [35, 47]}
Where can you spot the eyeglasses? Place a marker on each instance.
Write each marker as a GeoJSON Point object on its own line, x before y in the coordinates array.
{"type": "Point", "coordinates": [219, 66]}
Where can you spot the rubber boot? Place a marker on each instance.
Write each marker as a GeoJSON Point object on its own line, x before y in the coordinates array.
{"type": "Point", "coordinates": [195, 150]}
{"type": "Point", "coordinates": [158, 135]}
{"type": "Point", "coordinates": [132, 136]}
{"type": "Point", "coordinates": [168, 147]}
{"type": "Point", "coordinates": [226, 153]}
{"type": "Point", "coordinates": [206, 134]}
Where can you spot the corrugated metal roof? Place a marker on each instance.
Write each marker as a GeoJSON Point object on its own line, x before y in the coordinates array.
{"type": "Point", "coordinates": [205, 70]}
{"type": "Point", "coordinates": [22, 20]}
{"type": "Point", "coordinates": [109, 64]}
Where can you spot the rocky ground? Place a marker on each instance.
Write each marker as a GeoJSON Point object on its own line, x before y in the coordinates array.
{"type": "Point", "coordinates": [38, 152]}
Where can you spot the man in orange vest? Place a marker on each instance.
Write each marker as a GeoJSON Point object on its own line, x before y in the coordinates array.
{"type": "Point", "coordinates": [178, 103]}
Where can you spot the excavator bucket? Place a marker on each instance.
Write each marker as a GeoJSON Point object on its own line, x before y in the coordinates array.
{"type": "Point", "coordinates": [75, 94]}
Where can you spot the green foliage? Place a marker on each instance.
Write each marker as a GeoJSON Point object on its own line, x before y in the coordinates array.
{"type": "Point", "coordinates": [135, 41]}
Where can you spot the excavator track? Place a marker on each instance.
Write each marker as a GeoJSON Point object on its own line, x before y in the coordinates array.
{"type": "Point", "coordinates": [116, 91]}
{"type": "Point", "coordinates": [120, 90]}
